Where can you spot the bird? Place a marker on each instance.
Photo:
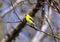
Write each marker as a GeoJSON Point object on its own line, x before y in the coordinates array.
{"type": "Point", "coordinates": [29, 19]}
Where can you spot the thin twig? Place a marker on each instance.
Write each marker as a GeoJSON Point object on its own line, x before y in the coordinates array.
{"type": "Point", "coordinates": [50, 28]}
{"type": "Point", "coordinates": [11, 22]}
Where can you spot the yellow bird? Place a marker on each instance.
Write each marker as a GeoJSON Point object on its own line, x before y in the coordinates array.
{"type": "Point", "coordinates": [29, 19]}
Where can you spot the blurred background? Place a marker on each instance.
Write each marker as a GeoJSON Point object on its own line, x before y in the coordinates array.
{"type": "Point", "coordinates": [27, 34]}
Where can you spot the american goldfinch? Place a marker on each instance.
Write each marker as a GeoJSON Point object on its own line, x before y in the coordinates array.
{"type": "Point", "coordinates": [29, 19]}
